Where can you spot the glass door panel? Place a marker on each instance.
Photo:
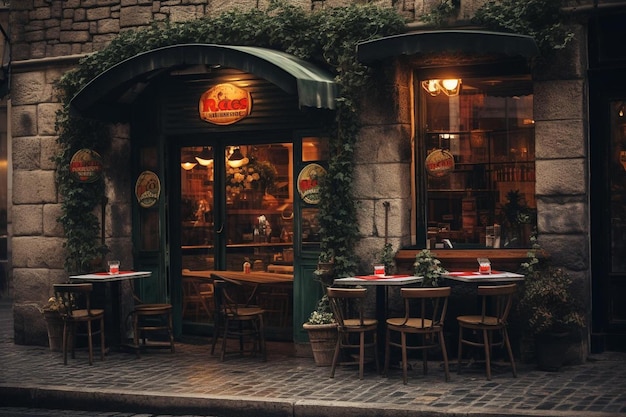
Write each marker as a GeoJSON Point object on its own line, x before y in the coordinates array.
{"type": "Point", "coordinates": [259, 207]}
{"type": "Point", "coordinates": [197, 208]}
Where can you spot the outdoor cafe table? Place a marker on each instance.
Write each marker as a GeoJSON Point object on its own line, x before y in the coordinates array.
{"type": "Point", "coordinates": [479, 278]}
{"type": "Point", "coordinates": [381, 283]}
{"type": "Point", "coordinates": [254, 278]}
{"type": "Point", "coordinates": [108, 286]}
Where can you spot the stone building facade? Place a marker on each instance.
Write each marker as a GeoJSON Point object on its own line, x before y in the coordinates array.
{"type": "Point", "coordinates": [49, 37]}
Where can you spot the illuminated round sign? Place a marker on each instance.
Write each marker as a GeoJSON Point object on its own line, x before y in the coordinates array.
{"type": "Point", "coordinates": [225, 104]}
{"type": "Point", "coordinates": [147, 189]}
{"type": "Point", "coordinates": [308, 183]}
{"type": "Point", "coordinates": [86, 165]}
{"type": "Point", "coordinates": [439, 163]}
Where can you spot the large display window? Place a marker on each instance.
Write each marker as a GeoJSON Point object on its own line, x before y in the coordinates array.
{"type": "Point", "coordinates": [477, 160]}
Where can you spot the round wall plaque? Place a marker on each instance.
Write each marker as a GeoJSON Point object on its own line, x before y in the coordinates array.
{"type": "Point", "coordinates": [86, 165]}
{"type": "Point", "coordinates": [147, 189]}
{"type": "Point", "coordinates": [308, 183]}
{"type": "Point", "coordinates": [439, 163]}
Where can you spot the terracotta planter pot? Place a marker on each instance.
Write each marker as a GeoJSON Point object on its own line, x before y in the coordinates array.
{"type": "Point", "coordinates": [323, 339]}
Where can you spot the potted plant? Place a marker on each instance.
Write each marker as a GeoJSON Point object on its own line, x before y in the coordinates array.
{"type": "Point", "coordinates": [429, 267]}
{"type": "Point", "coordinates": [553, 313]}
{"type": "Point", "coordinates": [325, 269]}
{"type": "Point", "coordinates": [322, 331]}
{"type": "Point", "coordinates": [54, 322]}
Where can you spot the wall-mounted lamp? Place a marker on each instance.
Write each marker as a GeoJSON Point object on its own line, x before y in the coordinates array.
{"type": "Point", "coordinates": [236, 159]}
{"type": "Point", "coordinates": [206, 156]}
{"type": "Point", "coordinates": [449, 86]}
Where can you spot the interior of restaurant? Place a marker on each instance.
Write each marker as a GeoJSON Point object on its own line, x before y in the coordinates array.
{"type": "Point", "coordinates": [245, 227]}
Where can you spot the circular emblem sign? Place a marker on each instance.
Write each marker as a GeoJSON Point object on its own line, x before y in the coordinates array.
{"type": "Point", "coordinates": [86, 165]}
{"type": "Point", "coordinates": [308, 183]}
{"type": "Point", "coordinates": [147, 189]}
{"type": "Point", "coordinates": [439, 163]}
{"type": "Point", "coordinates": [225, 104]}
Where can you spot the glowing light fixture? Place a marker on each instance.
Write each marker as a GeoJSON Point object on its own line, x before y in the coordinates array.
{"type": "Point", "coordinates": [188, 166]}
{"type": "Point", "coordinates": [236, 159]}
{"type": "Point", "coordinates": [206, 156]}
{"type": "Point", "coordinates": [448, 86]}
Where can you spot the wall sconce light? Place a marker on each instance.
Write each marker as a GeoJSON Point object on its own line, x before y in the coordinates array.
{"type": "Point", "coordinates": [206, 156]}
{"type": "Point", "coordinates": [188, 166]}
{"type": "Point", "coordinates": [236, 159]}
{"type": "Point", "coordinates": [449, 86]}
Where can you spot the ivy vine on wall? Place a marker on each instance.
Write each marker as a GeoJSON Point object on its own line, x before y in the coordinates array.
{"type": "Point", "coordinates": [327, 37]}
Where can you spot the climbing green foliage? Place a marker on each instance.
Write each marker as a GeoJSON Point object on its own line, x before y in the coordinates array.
{"type": "Point", "coordinates": [327, 37]}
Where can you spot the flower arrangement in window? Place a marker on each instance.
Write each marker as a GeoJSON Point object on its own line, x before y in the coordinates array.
{"type": "Point", "coordinates": [255, 175]}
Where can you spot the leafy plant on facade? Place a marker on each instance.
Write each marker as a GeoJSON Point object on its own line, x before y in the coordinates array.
{"type": "Point", "coordinates": [327, 37]}
{"type": "Point", "coordinates": [441, 12]}
{"type": "Point", "coordinates": [548, 303]}
{"type": "Point", "coordinates": [541, 19]}
{"type": "Point", "coordinates": [429, 267]}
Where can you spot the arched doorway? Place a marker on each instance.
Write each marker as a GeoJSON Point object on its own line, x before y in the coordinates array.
{"type": "Point", "coordinates": [199, 217]}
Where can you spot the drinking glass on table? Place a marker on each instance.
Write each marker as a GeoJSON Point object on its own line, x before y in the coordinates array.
{"type": "Point", "coordinates": [484, 266]}
{"type": "Point", "coordinates": [114, 267]}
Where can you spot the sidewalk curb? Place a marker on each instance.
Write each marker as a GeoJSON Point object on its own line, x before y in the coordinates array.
{"type": "Point", "coordinates": [58, 397]}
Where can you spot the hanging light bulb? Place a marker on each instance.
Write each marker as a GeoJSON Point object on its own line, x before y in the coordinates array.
{"type": "Point", "coordinates": [236, 159]}
{"type": "Point", "coordinates": [206, 156]}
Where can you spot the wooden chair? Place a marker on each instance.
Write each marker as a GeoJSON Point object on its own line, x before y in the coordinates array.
{"type": "Point", "coordinates": [197, 298]}
{"type": "Point", "coordinates": [348, 305]}
{"type": "Point", "coordinates": [234, 320]}
{"type": "Point", "coordinates": [432, 304]}
{"type": "Point", "coordinates": [155, 319]}
{"type": "Point", "coordinates": [496, 304]}
{"type": "Point", "coordinates": [76, 299]}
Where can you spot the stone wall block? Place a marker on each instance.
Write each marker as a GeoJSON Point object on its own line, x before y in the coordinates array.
{"type": "Point", "coordinates": [51, 225]}
{"type": "Point", "coordinates": [567, 251]}
{"type": "Point", "coordinates": [49, 149]}
{"type": "Point", "coordinates": [561, 217]}
{"type": "Point", "coordinates": [108, 26]}
{"type": "Point", "coordinates": [26, 153]}
{"type": "Point", "coordinates": [382, 180]}
{"type": "Point", "coordinates": [559, 100]}
{"type": "Point", "coordinates": [34, 285]}
{"type": "Point", "coordinates": [38, 252]}
{"type": "Point", "coordinates": [384, 143]}
{"type": "Point", "coordinates": [184, 13]}
{"type": "Point", "coordinates": [29, 325]}
{"type": "Point", "coordinates": [27, 88]}
{"type": "Point", "coordinates": [75, 36]}
{"type": "Point", "coordinates": [365, 217]}
{"type": "Point", "coordinates": [98, 13]}
{"type": "Point", "coordinates": [24, 121]}
{"type": "Point", "coordinates": [46, 118]}
{"type": "Point", "coordinates": [135, 16]}
{"type": "Point", "coordinates": [561, 177]}
{"type": "Point", "coordinates": [34, 187]}
{"type": "Point", "coordinates": [27, 220]}
{"type": "Point", "coordinates": [560, 139]}
{"type": "Point", "coordinates": [370, 249]}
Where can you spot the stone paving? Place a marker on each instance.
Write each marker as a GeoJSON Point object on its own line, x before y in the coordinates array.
{"type": "Point", "coordinates": [191, 381]}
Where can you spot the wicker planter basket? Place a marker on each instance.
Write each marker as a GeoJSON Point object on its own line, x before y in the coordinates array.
{"type": "Point", "coordinates": [323, 338]}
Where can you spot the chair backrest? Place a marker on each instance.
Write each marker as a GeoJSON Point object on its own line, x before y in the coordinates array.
{"type": "Point", "coordinates": [497, 301]}
{"type": "Point", "coordinates": [225, 304]}
{"type": "Point", "coordinates": [191, 288]}
{"type": "Point", "coordinates": [73, 297]}
{"type": "Point", "coordinates": [347, 303]}
{"type": "Point", "coordinates": [432, 304]}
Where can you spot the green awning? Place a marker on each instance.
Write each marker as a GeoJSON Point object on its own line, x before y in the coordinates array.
{"type": "Point", "coordinates": [465, 42]}
{"type": "Point", "coordinates": [108, 95]}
